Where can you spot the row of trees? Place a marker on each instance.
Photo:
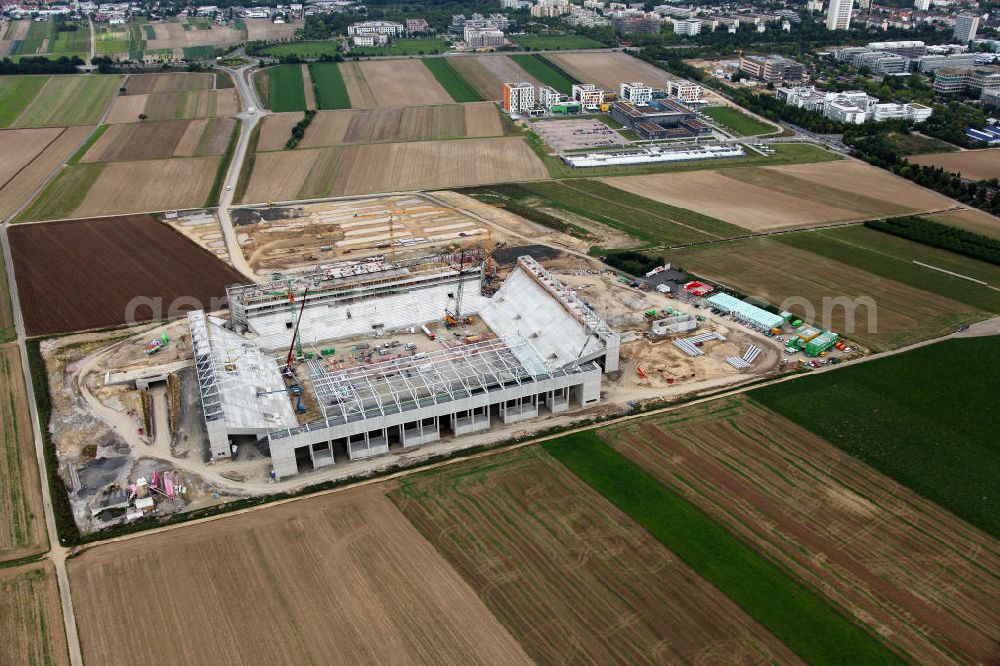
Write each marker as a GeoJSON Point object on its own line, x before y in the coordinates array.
{"type": "Point", "coordinates": [299, 131]}
{"type": "Point", "coordinates": [632, 262]}
{"type": "Point", "coordinates": [941, 236]}
{"type": "Point", "coordinates": [41, 65]}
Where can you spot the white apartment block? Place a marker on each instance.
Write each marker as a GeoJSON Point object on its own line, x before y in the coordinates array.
{"type": "Point", "coordinates": [548, 96]}
{"type": "Point", "coordinates": [689, 26]}
{"type": "Point", "coordinates": [476, 38]}
{"type": "Point", "coordinates": [387, 28]}
{"type": "Point", "coordinates": [685, 91]}
{"type": "Point", "coordinates": [853, 106]}
{"type": "Point", "coordinates": [551, 8]}
{"type": "Point", "coordinates": [370, 39]}
{"type": "Point", "coordinates": [635, 92]}
{"type": "Point", "coordinates": [838, 14]}
{"type": "Point", "coordinates": [966, 26]}
{"type": "Point", "coordinates": [587, 94]}
{"type": "Point", "coordinates": [518, 97]}
{"type": "Point", "coordinates": [922, 5]}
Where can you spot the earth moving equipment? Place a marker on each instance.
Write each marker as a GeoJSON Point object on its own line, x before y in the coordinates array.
{"type": "Point", "coordinates": [295, 390]}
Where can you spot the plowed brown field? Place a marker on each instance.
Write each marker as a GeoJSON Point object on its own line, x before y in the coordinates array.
{"type": "Point", "coordinates": [161, 139]}
{"type": "Point", "coordinates": [607, 70]}
{"type": "Point", "coordinates": [916, 575]}
{"type": "Point", "coordinates": [83, 274]}
{"type": "Point", "coordinates": [20, 147]}
{"type": "Point", "coordinates": [21, 185]}
{"type": "Point", "coordinates": [573, 578]}
{"type": "Point", "coordinates": [141, 84]}
{"type": "Point", "coordinates": [177, 105]}
{"type": "Point", "coordinates": [341, 579]}
{"type": "Point", "coordinates": [360, 93]}
{"type": "Point", "coordinates": [149, 185]}
{"type": "Point", "coordinates": [974, 164]}
{"type": "Point", "coordinates": [487, 84]}
{"type": "Point", "coordinates": [31, 624]}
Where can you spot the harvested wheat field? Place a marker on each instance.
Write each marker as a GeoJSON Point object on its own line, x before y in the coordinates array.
{"type": "Point", "coordinates": [276, 129]}
{"type": "Point", "coordinates": [143, 84]}
{"type": "Point", "coordinates": [787, 277]}
{"type": "Point", "coordinates": [496, 70]}
{"type": "Point", "coordinates": [162, 139]}
{"type": "Point", "coordinates": [22, 530]}
{"type": "Point", "coordinates": [259, 29]}
{"type": "Point", "coordinates": [150, 185]}
{"type": "Point", "coordinates": [31, 623]}
{"type": "Point", "coordinates": [411, 123]}
{"type": "Point", "coordinates": [19, 185]}
{"type": "Point", "coordinates": [390, 167]}
{"type": "Point", "coordinates": [399, 83]}
{"type": "Point", "coordinates": [972, 164]}
{"type": "Point", "coordinates": [970, 219]}
{"type": "Point", "coordinates": [171, 35]}
{"type": "Point", "coordinates": [607, 70]}
{"type": "Point", "coordinates": [913, 573]}
{"type": "Point", "coordinates": [340, 579]}
{"type": "Point", "coordinates": [21, 146]}
{"type": "Point", "coordinates": [178, 105]}
{"type": "Point", "coordinates": [571, 576]}
{"type": "Point", "coordinates": [361, 94]}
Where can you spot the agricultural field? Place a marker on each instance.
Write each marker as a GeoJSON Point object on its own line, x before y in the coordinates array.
{"type": "Point", "coordinates": [61, 100]}
{"type": "Point", "coordinates": [189, 33]}
{"type": "Point", "coordinates": [973, 164]}
{"type": "Point", "coordinates": [82, 274]}
{"type": "Point", "coordinates": [908, 571]}
{"type": "Point", "coordinates": [896, 412]}
{"type": "Point", "coordinates": [787, 197]}
{"type": "Point", "coordinates": [487, 73]}
{"type": "Point", "coordinates": [359, 585]}
{"type": "Point", "coordinates": [788, 277]}
{"type": "Point", "coordinates": [28, 159]}
{"type": "Point", "coordinates": [304, 49]}
{"type": "Point", "coordinates": [970, 219]}
{"type": "Point", "coordinates": [22, 531]}
{"type": "Point", "coordinates": [893, 258]}
{"type": "Point", "coordinates": [737, 121]}
{"type": "Point", "coordinates": [144, 84]}
{"type": "Point", "coordinates": [114, 188]}
{"type": "Point", "coordinates": [555, 42]}
{"type": "Point", "coordinates": [16, 92]}
{"type": "Point", "coordinates": [31, 623]}
{"type": "Point", "coordinates": [177, 105]}
{"type": "Point", "coordinates": [285, 88]}
{"type": "Point", "coordinates": [161, 139]}
{"type": "Point", "coordinates": [590, 203]}
{"type": "Point", "coordinates": [569, 575]}
{"type": "Point", "coordinates": [389, 167]}
{"type": "Point", "coordinates": [378, 83]}
{"type": "Point", "coordinates": [404, 47]}
{"type": "Point", "coordinates": [913, 143]}
{"type": "Point", "coordinates": [8, 331]}
{"type": "Point", "coordinates": [541, 69]}
{"type": "Point", "coordinates": [607, 70]}
{"type": "Point", "coordinates": [452, 81]}
{"type": "Point", "coordinates": [328, 82]}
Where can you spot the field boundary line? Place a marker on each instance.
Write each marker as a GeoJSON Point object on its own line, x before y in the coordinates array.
{"type": "Point", "coordinates": [952, 273]}
{"type": "Point", "coordinates": [32, 161]}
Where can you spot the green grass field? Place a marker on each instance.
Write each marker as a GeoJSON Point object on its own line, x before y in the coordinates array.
{"type": "Point", "coordinates": [70, 100]}
{"type": "Point", "coordinates": [200, 52]}
{"type": "Point", "coordinates": [543, 70]}
{"type": "Point", "coordinates": [452, 81]}
{"type": "Point", "coordinates": [64, 194]}
{"type": "Point", "coordinates": [927, 418]}
{"type": "Point", "coordinates": [328, 82]}
{"type": "Point", "coordinates": [797, 616]}
{"type": "Point", "coordinates": [286, 89]}
{"type": "Point", "coordinates": [307, 49]}
{"type": "Point", "coordinates": [399, 47]}
{"type": "Point", "coordinates": [737, 121]}
{"type": "Point", "coordinates": [648, 221]}
{"type": "Point", "coordinates": [16, 92]}
{"type": "Point", "coordinates": [915, 144]}
{"type": "Point", "coordinates": [71, 41]}
{"type": "Point", "coordinates": [7, 330]}
{"type": "Point", "coordinates": [555, 42]}
{"type": "Point", "coordinates": [38, 32]}
{"type": "Point", "coordinates": [892, 257]}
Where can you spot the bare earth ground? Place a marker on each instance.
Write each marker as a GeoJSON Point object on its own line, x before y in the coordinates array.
{"type": "Point", "coordinates": [307, 84]}
{"type": "Point", "coordinates": [276, 129]}
{"type": "Point", "coordinates": [785, 276]}
{"type": "Point", "coordinates": [341, 579]}
{"type": "Point", "coordinates": [173, 35]}
{"type": "Point", "coordinates": [21, 146]}
{"type": "Point", "coordinates": [607, 70]}
{"type": "Point", "coordinates": [500, 69]}
{"type": "Point", "coordinates": [21, 186]}
{"type": "Point", "coordinates": [913, 573]}
{"type": "Point", "coordinates": [389, 167]}
{"type": "Point", "coordinates": [479, 77]}
{"type": "Point", "coordinates": [22, 530]}
{"type": "Point", "coordinates": [974, 164]}
{"type": "Point", "coordinates": [787, 197]}
{"type": "Point", "coordinates": [971, 219]}
{"type": "Point", "coordinates": [142, 84]}
{"type": "Point", "coordinates": [176, 105]}
{"type": "Point", "coordinates": [572, 577]}
{"type": "Point", "coordinates": [267, 30]}
{"type": "Point", "coordinates": [403, 83]}
{"type": "Point", "coordinates": [361, 94]}
{"type": "Point", "coordinates": [161, 139]}
{"type": "Point", "coordinates": [152, 185]}
{"type": "Point", "coordinates": [31, 624]}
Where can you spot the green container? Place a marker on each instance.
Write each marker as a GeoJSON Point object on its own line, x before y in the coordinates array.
{"type": "Point", "coordinates": [327, 352]}
{"type": "Point", "coordinates": [796, 323]}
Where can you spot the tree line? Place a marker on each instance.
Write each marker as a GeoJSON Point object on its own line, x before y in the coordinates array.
{"type": "Point", "coordinates": [941, 236]}
{"type": "Point", "coordinates": [299, 131]}
{"type": "Point", "coordinates": [41, 65]}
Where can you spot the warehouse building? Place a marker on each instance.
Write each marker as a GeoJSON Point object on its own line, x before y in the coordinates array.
{"type": "Point", "coordinates": [745, 312]}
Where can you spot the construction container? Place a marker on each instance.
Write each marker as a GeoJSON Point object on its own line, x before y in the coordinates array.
{"type": "Point", "coordinates": [796, 323]}
{"type": "Point", "coordinates": [821, 343]}
{"type": "Point", "coordinates": [776, 331]}
{"type": "Point", "coordinates": [651, 313]}
{"type": "Point", "coordinates": [327, 352]}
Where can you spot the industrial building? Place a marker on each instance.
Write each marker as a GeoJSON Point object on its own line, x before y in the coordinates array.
{"type": "Point", "coordinates": [772, 69]}
{"type": "Point", "coordinates": [660, 119]}
{"type": "Point", "coordinates": [655, 154]}
{"type": "Point", "coordinates": [314, 407]}
{"type": "Point", "coordinates": [745, 312]}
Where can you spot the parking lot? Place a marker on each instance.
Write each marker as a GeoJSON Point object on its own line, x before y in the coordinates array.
{"type": "Point", "coordinates": [578, 133]}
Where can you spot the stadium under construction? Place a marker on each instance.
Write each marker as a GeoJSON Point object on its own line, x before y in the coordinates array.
{"type": "Point", "coordinates": [272, 372]}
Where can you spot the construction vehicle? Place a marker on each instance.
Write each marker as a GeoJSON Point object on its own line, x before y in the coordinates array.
{"type": "Point", "coordinates": [639, 371]}
{"type": "Point", "coordinates": [157, 344]}
{"type": "Point", "coordinates": [295, 390]}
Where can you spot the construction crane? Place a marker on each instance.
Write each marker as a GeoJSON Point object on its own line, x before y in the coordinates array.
{"type": "Point", "coordinates": [452, 319]}
{"type": "Point", "coordinates": [295, 390]}
{"type": "Point", "coordinates": [296, 344]}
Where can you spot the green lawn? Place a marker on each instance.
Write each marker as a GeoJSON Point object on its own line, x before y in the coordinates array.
{"type": "Point", "coordinates": [428, 45]}
{"type": "Point", "coordinates": [928, 418]}
{"type": "Point", "coordinates": [892, 257]}
{"type": "Point", "coordinates": [286, 89]}
{"type": "Point", "coordinates": [70, 100]}
{"type": "Point", "coordinates": [797, 616]}
{"type": "Point", "coordinates": [64, 194]}
{"type": "Point", "coordinates": [16, 92]}
{"type": "Point", "coordinates": [310, 49]}
{"type": "Point", "coordinates": [328, 82]}
{"type": "Point", "coordinates": [555, 42]}
{"type": "Point", "coordinates": [737, 121]}
{"type": "Point", "coordinates": [200, 52]}
{"type": "Point", "coordinates": [650, 222]}
{"type": "Point", "coordinates": [452, 81]}
{"type": "Point", "coordinates": [544, 71]}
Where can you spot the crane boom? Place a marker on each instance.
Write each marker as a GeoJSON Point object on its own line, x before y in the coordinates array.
{"type": "Point", "coordinates": [296, 344]}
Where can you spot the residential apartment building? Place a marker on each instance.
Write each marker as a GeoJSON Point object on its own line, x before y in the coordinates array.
{"type": "Point", "coordinates": [637, 93]}
{"type": "Point", "coordinates": [690, 26]}
{"type": "Point", "coordinates": [477, 38]}
{"type": "Point", "coordinates": [548, 96]}
{"type": "Point", "coordinates": [953, 81]}
{"type": "Point", "coordinates": [416, 26]}
{"type": "Point", "coordinates": [518, 97]}
{"type": "Point", "coordinates": [587, 94]}
{"type": "Point", "coordinates": [636, 24]}
{"type": "Point", "coordinates": [966, 26]}
{"type": "Point", "coordinates": [685, 91]}
{"type": "Point", "coordinates": [772, 69]}
{"type": "Point", "coordinates": [907, 48]}
{"type": "Point", "coordinates": [838, 14]}
{"type": "Point", "coordinates": [384, 28]}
